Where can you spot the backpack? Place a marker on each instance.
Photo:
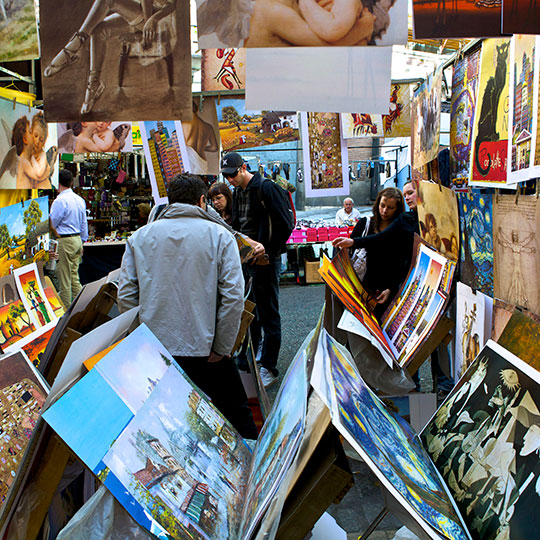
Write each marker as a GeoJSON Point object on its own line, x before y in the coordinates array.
{"type": "Point", "coordinates": [283, 220]}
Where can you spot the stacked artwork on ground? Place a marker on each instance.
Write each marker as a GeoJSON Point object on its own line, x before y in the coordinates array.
{"type": "Point", "coordinates": [28, 148]}
{"type": "Point", "coordinates": [397, 123]}
{"type": "Point", "coordinates": [83, 137]}
{"type": "Point", "coordinates": [18, 31]}
{"type": "Point", "coordinates": [490, 129]}
{"type": "Point", "coordinates": [515, 250]}
{"type": "Point", "coordinates": [484, 439]}
{"type": "Point", "coordinates": [223, 69]}
{"type": "Point", "coordinates": [476, 253]}
{"type": "Point", "coordinates": [165, 453]}
{"type": "Point", "coordinates": [325, 157]}
{"type": "Point", "coordinates": [438, 218]}
{"type": "Point", "coordinates": [386, 443]}
{"type": "Point", "coordinates": [462, 111]}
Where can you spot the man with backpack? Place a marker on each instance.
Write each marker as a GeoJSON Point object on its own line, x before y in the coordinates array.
{"type": "Point", "coordinates": [262, 211]}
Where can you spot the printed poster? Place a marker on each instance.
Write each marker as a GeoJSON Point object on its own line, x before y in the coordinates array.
{"type": "Point", "coordinates": [18, 31]}
{"type": "Point", "coordinates": [462, 112]}
{"type": "Point", "coordinates": [326, 162]}
{"type": "Point", "coordinates": [490, 129]}
{"type": "Point", "coordinates": [28, 148]}
{"type": "Point", "coordinates": [105, 61]}
{"type": "Point", "coordinates": [83, 137]}
{"type": "Point", "coordinates": [223, 69]}
{"type": "Point", "coordinates": [260, 24]}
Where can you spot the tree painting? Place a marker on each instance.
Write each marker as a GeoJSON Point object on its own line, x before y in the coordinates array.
{"type": "Point", "coordinates": [5, 238]}
{"type": "Point", "coordinates": [17, 310]}
{"type": "Point", "coordinates": [32, 216]}
{"type": "Point", "coordinates": [230, 115]}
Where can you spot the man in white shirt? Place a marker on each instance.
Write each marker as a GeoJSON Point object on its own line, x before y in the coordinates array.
{"type": "Point", "coordinates": [68, 220]}
{"type": "Point", "coordinates": [348, 215]}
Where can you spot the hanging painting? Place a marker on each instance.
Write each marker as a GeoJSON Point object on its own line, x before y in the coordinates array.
{"type": "Point", "coordinates": [426, 120]}
{"type": "Point", "coordinates": [83, 137]}
{"type": "Point", "coordinates": [28, 148]}
{"type": "Point", "coordinates": [476, 253]}
{"type": "Point", "coordinates": [267, 24]}
{"type": "Point", "coordinates": [106, 61]}
{"type": "Point", "coordinates": [462, 111]}
{"type": "Point", "coordinates": [397, 123]}
{"type": "Point", "coordinates": [520, 114]}
{"type": "Point", "coordinates": [18, 31]}
{"type": "Point", "coordinates": [223, 69]}
{"type": "Point", "coordinates": [484, 439]}
{"type": "Point", "coordinates": [438, 218]}
{"type": "Point", "coordinates": [326, 167]}
{"type": "Point", "coordinates": [490, 129]}
{"type": "Point", "coordinates": [515, 250]}
{"type": "Point", "coordinates": [520, 17]}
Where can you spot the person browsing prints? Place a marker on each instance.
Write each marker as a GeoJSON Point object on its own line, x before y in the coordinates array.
{"type": "Point", "coordinates": [348, 215]}
{"type": "Point", "coordinates": [68, 219]}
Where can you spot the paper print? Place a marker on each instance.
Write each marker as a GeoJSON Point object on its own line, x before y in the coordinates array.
{"type": "Point", "coordinates": [15, 323]}
{"type": "Point", "coordinates": [476, 253]}
{"type": "Point", "coordinates": [388, 445]}
{"type": "Point", "coordinates": [515, 251]}
{"type": "Point", "coordinates": [520, 17]}
{"type": "Point", "coordinates": [164, 150]}
{"type": "Point", "coordinates": [241, 128]}
{"type": "Point", "coordinates": [122, 62]}
{"type": "Point", "coordinates": [34, 344]}
{"type": "Point", "coordinates": [520, 115]}
{"type": "Point", "coordinates": [484, 439]}
{"type": "Point", "coordinates": [359, 125]}
{"type": "Point", "coordinates": [28, 148]}
{"type": "Point", "coordinates": [265, 24]}
{"type": "Point", "coordinates": [83, 137]}
{"type": "Point", "coordinates": [462, 111]}
{"type": "Point", "coordinates": [438, 218]}
{"type": "Point", "coordinates": [201, 138]}
{"type": "Point", "coordinates": [535, 150]}
{"type": "Point", "coordinates": [18, 31]}
{"type": "Point", "coordinates": [33, 296]}
{"type": "Point", "coordinates": [22, 395]}
{"type": "Point", "coordinates": [426, 120]}
{"type": "Point", "coordinates": [55, 302]}
{"type": "Point", "coordinates": [502, 312]}
{"type": "Point", "coordinates": [326, 168]}
{"type": "Point", "coordinates": [490, 129]}
{"type": "Point", "coordinates": [223, 69]}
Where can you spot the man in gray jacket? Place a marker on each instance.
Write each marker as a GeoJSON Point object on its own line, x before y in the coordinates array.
{"type": "Point", "coordinates": [184, 271]}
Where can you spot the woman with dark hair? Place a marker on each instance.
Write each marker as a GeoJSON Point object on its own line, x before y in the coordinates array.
{"type": "Point", "coordinates": [220, 196]}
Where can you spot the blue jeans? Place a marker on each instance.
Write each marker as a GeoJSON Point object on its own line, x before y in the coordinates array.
{"type": "Point", "coordinates": [265, 288]}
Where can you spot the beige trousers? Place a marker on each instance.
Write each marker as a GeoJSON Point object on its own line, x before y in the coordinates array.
{"type": "Point", "coordinates": [67, 268]}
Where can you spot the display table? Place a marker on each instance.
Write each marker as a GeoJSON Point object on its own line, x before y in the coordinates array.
{"type": "Point", "coordinates": [100, 258]}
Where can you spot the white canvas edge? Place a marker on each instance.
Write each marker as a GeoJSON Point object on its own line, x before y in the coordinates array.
{"type": "Point", "coordinates": [30, 337]}
{"type": "Point", "coordinates": [182, 143]}
{"type": "Point", "coordinates": [535, 169]}
{"type": "Point", "coordinates": [38, 375]}
{"type": "Point", "coordinates": [150, 167]}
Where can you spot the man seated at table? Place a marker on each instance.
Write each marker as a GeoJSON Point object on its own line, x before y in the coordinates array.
{"type": "Point", "coordinates": [348, 215]}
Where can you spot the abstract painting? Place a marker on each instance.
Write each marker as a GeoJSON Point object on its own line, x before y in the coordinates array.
{"type": "Point", "coordinates": [520, 17]}
{"type": "Point", "coordinates": [201, 138]}
{"type": "Point", "coordinates": [476, 250]}
{"type": "Point", "coordinates": [28, 151]}
{"type": "Point", "coordinates": [326, 169]}
{"type": "Point", "coordinates": [83, 137]}
{"type": "Point", "coordinates": [490, 128]}
{"type": "Point", "coordinates": [103, 61]}
{"type": "Point", "coordinates": [241, 128]}
{"type": "Point", "coordinates": [223, 69]}
{"type": "Point", "coordinates": [462, 111]}
{"type": "Point", "coordinates": [22, 395]}
{"type": "Point", "coordinates": [515, 250]}
{"type": "Point", "coordinates": [484, 439]}
{"type": "Point", "coordinates": [18, 31]}
{"type": "Point", "coordinates": [397, 123]}
{"type": "Point", "coordinates": [164, 150]}
{"type": "Point", "coordinates": [387, 444]}
{"type": "Point", "coordinates": [426, 120]}
{"type": "Point", "coordinates": [520, 113]}
{"type": "Point", "coordinates": [438, 218]}
{"type": "Point", "coordinates": [261, 24]}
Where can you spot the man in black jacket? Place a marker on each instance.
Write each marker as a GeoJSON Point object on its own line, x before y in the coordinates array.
{"type": "Point", "coordinates": [257, 211]}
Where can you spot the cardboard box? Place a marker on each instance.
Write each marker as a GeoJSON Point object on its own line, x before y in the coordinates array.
{"type": "Point", "coordinates": [312, 272]}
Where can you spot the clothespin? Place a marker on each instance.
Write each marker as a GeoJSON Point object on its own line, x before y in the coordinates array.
{"type": "Point", "coordinates": [218, 98]}
{"type": "Point", "coordinates": [497, 195]}
{"type": "Point", "coordinates": [517, 193]}
{"type": "Point", "coordinates": [29, 107]}
{"type": "Point", "coordinates": [14, 103]}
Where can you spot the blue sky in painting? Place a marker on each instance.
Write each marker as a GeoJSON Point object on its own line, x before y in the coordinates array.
{"type": "Point", "coordinates": [12, 216]}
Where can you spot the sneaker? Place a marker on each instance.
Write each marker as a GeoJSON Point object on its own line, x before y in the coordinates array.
{"type": "Point", "coordinates": [267, 378]}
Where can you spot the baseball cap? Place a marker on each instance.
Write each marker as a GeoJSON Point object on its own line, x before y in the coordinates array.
{"type": "Point", "coordinates": [231, 162]}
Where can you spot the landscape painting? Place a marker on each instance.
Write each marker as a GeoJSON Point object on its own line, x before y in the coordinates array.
{"type": "Point", "coordinates": [15, 324]}
{"type": "Point", "coordinates": [223, 69]}
{"type": "Point", "coordinates": [18, 31]}
{"type": "Point", "coordinates": [34, 344]}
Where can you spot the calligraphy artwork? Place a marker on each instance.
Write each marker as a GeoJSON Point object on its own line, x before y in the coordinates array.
{"type": "Point", "coordinates": [18, 31]}
{"type": "Point", "coordinates": [83, 137]}
{"type": "Point", "coordinates": [223, 69]}
{"type": "Point", "coordinates": [462, 111]}
{"type": "Point", "coordinates": [515, 251]}
{"type": "Point", "coordinates": [490, 128]}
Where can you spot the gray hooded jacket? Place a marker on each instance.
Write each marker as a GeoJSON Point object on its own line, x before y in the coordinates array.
{"type": "Point", "coordinates": [185, 273]}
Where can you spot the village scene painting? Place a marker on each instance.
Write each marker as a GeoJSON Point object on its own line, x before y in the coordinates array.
{"type": "Point", "coordinates": [240, 128]}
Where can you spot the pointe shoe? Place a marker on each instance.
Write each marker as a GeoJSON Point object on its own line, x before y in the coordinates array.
{"type": "Point", "coordinates": [93, 93]}
{"type": "Point", "coordinates": [66, 57]}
